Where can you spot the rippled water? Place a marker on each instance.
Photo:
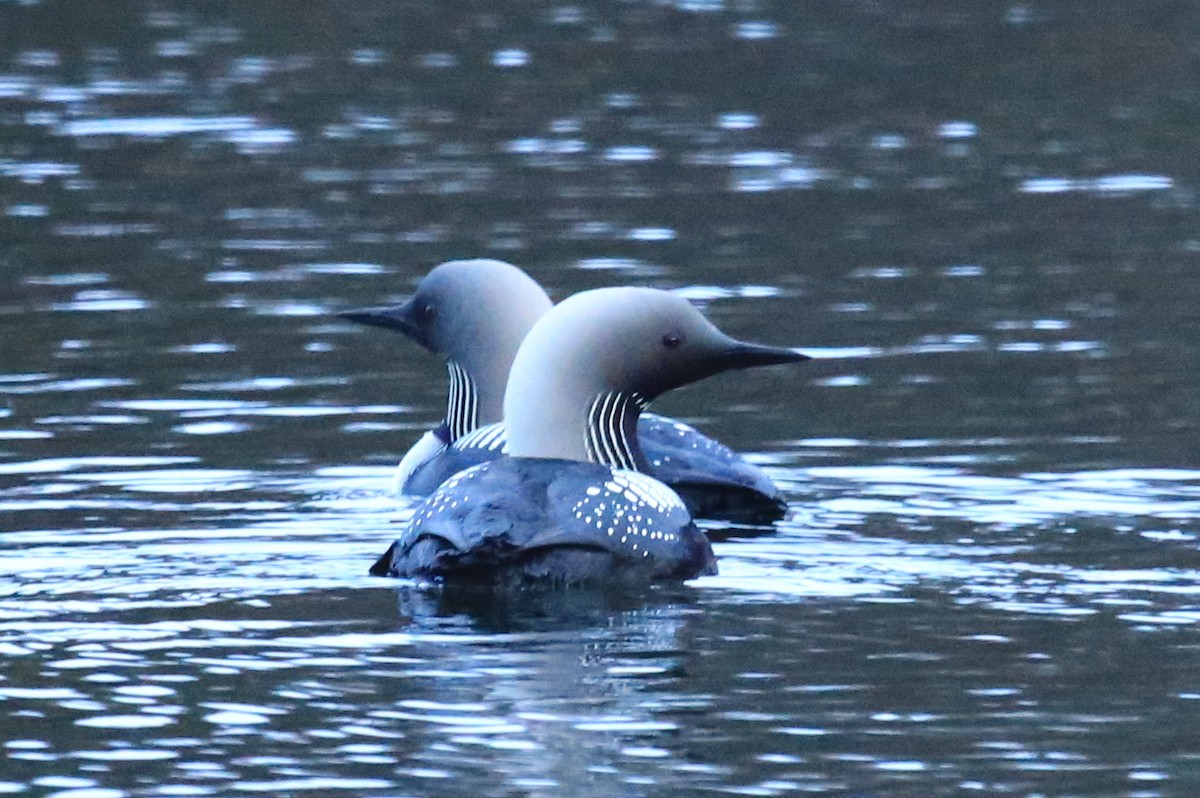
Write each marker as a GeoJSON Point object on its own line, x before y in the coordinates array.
{"type": "Point", "coordinates": [980, 221]}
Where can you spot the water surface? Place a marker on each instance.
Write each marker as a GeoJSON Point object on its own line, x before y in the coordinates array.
{"type": "Point", "coordinates": [980, 221]}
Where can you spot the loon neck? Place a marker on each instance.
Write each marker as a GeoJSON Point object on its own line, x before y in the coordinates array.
{"type": "Point", "coordinates": [569, 420]}
{"type": "Point", "coordinates": [610, 436]}
{"type": "Point", "coordinates": [462, 405]}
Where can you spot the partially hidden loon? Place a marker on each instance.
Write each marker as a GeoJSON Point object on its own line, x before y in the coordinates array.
{"type": "Point", "coordinates": [565, 503]}
{"type": "Point", "coordinates": [474, 314]}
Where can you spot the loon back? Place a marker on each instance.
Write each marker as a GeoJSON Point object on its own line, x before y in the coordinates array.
{"type": "Point", "coordinates": [545, 519]}
{"type": "Point", "coordinates": [714, 481]}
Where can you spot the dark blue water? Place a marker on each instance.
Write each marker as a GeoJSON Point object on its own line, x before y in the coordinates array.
{"type": "Point", "coordinates": [981, 219]}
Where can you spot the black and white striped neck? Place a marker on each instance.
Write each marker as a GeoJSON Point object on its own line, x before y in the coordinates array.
{"type": "Point", "coordinates": [462, 407]}
{"type": "Point", "coordinates": [611, 435]}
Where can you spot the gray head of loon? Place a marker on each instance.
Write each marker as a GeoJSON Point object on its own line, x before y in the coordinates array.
{"type": "Point", "coordinates": [590, 364]}
{"type": "Point", "coordinates": [474, 315]}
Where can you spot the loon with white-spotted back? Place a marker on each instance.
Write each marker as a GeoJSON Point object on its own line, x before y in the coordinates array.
{"type": "Point", "coordinates": [564, 504]}
{"type": "Point", "coordinates": [474, 314]}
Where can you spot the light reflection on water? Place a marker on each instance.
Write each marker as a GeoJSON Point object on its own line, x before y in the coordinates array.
{"type": "Point", "coordinates": [341, 687]}
{"type": "Point", "coordinates": [212, 630]}
{"type": "Point", "coordinates": [930, 613]}
{"type": "Point", "coordinates": [1022, 543]}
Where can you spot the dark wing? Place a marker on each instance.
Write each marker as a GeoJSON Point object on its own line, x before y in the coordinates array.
{"type": "Point", "coordinates": [713, 480]}
{"type": "Point", "coordinates": [637, 519]}
{"type": "Point", "coordinates": [532, 517]}
{"type": "Point", "coordinates": [487, 508]}
{"type": "Point", "coordinates": [486, 518]}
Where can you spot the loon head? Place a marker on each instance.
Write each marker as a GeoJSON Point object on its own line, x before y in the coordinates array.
{"type": "Point", "coordinates": [592, 363]}
{"type": "Point", "coordinates": [473, 314]}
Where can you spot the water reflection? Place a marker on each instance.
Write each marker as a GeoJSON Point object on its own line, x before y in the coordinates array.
{"type": "Point", "coordinates": [356, 692]}
{"type": "Point", "coordinates": [348, 695]}
{"type": "Point", "coordinates": [389, 707]}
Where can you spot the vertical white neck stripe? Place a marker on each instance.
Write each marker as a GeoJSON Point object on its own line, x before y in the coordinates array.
{"type": "Point", "coordinates": [605, 437]}
{"type": "Point", "coordinates": [462, 406]}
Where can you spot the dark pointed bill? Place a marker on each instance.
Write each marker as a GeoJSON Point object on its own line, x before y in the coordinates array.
{"type": "Point", "coordinates": [393, 317]}
{"type": "Point", "coordinates": [744, 355]}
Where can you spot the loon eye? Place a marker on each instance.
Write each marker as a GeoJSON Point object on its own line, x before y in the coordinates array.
{"type": "Point", "coordinates": [426, 313]}
{"type": "Point", "coordinates": [671, 340]}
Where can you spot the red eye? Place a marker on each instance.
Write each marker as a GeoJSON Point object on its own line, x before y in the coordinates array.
{"type": "Point", "coordinates": [672, 340]}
